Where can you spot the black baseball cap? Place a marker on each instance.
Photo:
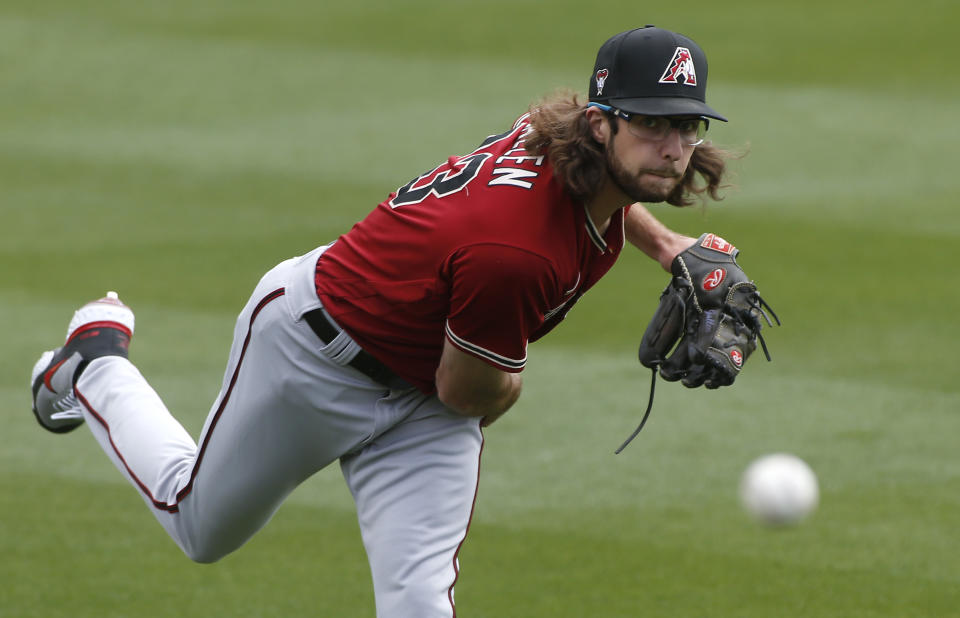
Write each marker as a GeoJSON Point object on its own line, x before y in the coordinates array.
{"type": "Point", "coordinates": [654, 72]}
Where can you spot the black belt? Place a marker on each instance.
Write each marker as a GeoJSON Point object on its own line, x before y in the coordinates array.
{"type": "Point", "coordinates": [362, 362]}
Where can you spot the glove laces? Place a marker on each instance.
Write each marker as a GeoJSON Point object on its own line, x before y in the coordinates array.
{"type": "Point", "coordinates": [643, 421]}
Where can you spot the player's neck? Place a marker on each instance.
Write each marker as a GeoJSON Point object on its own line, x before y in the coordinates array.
{"type": "Point", "coordinates": [604, 203]}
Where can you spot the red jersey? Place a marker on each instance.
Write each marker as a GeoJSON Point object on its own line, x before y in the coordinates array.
{"type": "Point", "coordinates": [487, 250]}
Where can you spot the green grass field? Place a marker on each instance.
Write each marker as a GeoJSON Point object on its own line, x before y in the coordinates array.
{"type": "Point", "coordinates": [176, 151]}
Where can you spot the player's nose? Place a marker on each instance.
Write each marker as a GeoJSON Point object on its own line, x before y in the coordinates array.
{"type": "Point", "coordinates": [671, 147]}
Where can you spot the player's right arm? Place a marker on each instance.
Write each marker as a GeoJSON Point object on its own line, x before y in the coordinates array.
{"type": "Point", "coordinates": [471, 387]}
{"type": "Point", "coordinates": [498, 296]}
{"type": "Point", "coordinates": [645, 232]}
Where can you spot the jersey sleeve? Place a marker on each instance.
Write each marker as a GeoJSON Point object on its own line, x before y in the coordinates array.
{"type": "Point", "coordinates": [499, 295]}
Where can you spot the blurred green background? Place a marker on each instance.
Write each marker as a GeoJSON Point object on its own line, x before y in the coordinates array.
{"type": "Point", "coordinates": [176, 151]}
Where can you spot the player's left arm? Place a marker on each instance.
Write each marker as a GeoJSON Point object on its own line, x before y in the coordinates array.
{"type": "Point", "coordinates": [648, 234]}
{"type": "Point", "coordinates": [711, 305]}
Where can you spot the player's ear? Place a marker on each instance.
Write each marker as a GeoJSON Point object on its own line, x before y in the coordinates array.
{"type": "Point", "coordinates": [599, 127]}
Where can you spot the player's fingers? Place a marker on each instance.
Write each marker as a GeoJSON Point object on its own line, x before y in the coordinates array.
{"type": "Point", "coordinates": [696, 376]}
{"type": "Point", "coordinates": [719, 373]}
{"type": "Point", "coordinates": [671, 373]}
{"type": "Point", "coordinates": [718, 379]}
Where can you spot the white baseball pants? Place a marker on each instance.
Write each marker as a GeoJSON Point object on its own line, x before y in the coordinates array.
{"type": "Point", "coordinates": [289, 406]}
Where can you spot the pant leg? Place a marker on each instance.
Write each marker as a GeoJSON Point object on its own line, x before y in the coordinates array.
{"type": "Point", "coordinates": [415, 487]}
{"type": "Point", "coordinates": [285, 411]}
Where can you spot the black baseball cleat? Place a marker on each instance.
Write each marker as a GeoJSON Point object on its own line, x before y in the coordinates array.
{"type": "Point", "coordinates": [99, 328]}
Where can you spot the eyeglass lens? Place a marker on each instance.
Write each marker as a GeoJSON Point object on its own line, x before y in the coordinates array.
{"type": "Point", "coordinates": [691, 130]}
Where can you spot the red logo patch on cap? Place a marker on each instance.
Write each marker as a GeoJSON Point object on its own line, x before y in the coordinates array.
{"type": "Point", "coordinates": [602, 76]}
{"type": "Point", "coordinates": [736, 357]}
{"type": "Point", "coordinates": [680, 67]}
{"type": "Point", "coordinates": [714, 278]}
{"type": "Point", "coordinates": [712, 241]}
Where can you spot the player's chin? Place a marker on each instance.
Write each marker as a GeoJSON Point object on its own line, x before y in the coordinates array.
{"type": "Point", "coordinates": [652, 188]}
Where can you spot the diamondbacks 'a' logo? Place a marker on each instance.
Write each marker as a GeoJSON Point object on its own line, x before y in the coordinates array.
{"type": "Point", "coordinates": [680, 66]}
{"type": "Point", "coordinates": [713, 279]}
{"type": "Point", "coordinates": [602, 76]}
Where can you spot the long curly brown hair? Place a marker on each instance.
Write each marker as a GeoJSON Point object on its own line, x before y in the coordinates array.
{"type": "Point", "coordinates": [559, 128]}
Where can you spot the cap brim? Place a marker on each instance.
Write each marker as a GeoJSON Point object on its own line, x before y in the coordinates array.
{"type": "Point", "coordinates": [666, 106]}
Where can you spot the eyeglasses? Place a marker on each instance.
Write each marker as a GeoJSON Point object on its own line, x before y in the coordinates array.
{"type": "Point", "coordinates": [692, 130]}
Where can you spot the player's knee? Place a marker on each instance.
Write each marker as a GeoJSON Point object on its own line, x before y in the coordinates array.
{"type": "Point", "coordinates": [204, 558]}
{"type": "Point", "coordinates": [211, 536]}
{"type": "Point", "coordinates": [202, 555]}
{"type": "Point", "coordinates": [204, 552]}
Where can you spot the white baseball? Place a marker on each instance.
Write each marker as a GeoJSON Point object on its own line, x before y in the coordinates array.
{"type": "Point", "coordinates": [779, 489]}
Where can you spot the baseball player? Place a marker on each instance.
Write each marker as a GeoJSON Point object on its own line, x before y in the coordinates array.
{"type": "Point", "coordinates": [391, 348]}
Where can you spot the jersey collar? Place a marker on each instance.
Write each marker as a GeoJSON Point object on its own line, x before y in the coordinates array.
{"type": "Point", "coordinates": [593, 232]}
